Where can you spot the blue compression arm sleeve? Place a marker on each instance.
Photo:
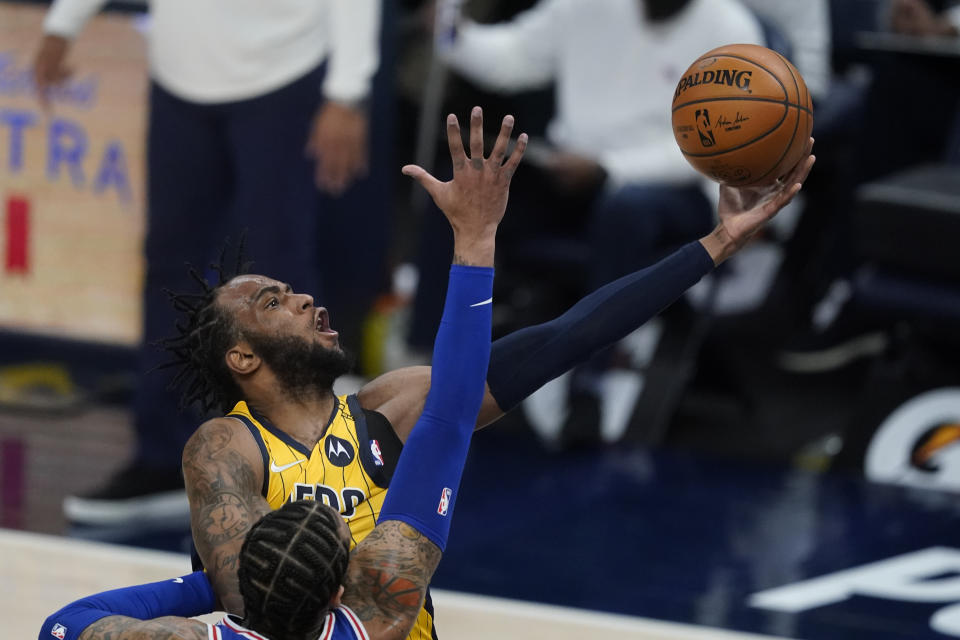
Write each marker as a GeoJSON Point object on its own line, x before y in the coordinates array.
{"type": "Point", "coordinates": [523, 361]}
{"type": "Point", "coordinates": [424, 486]}
{"type": "Point", "coordinates": [188, 596]}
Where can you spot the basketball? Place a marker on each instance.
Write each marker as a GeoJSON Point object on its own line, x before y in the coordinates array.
{"type": "Point", "coordinates": [742, 115]}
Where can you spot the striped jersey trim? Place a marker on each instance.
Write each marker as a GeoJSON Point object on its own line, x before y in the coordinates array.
{"type": "Point", "coordinates": [328, 626]}
{"type": "Point", "coordinates": [358, 629]}
{"type": "Point", "coordinates": [246, 633]}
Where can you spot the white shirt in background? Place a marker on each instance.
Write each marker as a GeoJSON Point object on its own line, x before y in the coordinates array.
{"type": "Point", "coordinates": [806, 24]}
{"type": "Point", "coordinates": [210, 51]}
{"type": "Point", "coordinates": [615, 74]}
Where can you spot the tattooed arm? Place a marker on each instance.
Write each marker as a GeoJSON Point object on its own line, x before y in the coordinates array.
{"type": "Point", "coordinates": [223, 471]}
{"type": "Point", "coordinates": [123, 628]}
{"type": "Point", "coordinates": [387, 579]}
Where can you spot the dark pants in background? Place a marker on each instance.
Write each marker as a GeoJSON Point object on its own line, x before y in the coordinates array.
{"type": "Point", "coordinates": [215, 171]}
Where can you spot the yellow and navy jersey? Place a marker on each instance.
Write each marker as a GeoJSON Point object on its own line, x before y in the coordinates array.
{"type": "Point", "coordinates": [349, 469]}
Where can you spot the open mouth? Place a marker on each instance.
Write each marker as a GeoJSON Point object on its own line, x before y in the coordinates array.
{"type": "Point", "coordinates": [322, 323]}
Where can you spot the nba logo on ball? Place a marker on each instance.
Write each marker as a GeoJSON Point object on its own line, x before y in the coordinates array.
{"type": "Point", "coordinates": [59, 631]}
{"type": "Point", "coordinates": [444, 501]}
{"type": "Point", "coordinates": [704, 128]}
{"type": "Point", "coordinates": [742, 115]}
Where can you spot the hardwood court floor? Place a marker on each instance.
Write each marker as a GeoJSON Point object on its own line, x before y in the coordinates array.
{"type": "Point", "coordinates": [39, 573]}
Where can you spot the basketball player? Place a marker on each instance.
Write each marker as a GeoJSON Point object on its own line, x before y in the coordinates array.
{"type": "Point", "coordinates": [268, 357]}
{"type": "Point", "coordinates": [295, 559]}
{"type": "Point", "coordinates": [386, 580]}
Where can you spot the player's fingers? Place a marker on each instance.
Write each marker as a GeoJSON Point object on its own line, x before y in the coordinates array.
{"type": "Point", "coordinates": [422, 176]}
{"type": "Point", "coordinates": [503, 140]}
{"type": "Point", "coordinates": [782, 199]}
{"type": "Point", "coordinates": [511, 165]}
{"type": "Point", "coordinates": [794, 181]}
{"type": "Point", "coordinates": [476, 137]}
{"type": "Point", "coordinates": [807, 166]}
{"type": "Point", "coordinates": [801, 170]}
{"type": "Point", "coordinates": [455, 142]}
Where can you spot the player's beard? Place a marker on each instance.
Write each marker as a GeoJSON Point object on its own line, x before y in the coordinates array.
{"type": "Point", "coordinates": [303, 367]}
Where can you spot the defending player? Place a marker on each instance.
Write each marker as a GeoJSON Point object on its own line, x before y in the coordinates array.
{"type": "Point", "coordinates": [294, 560]}
{"type": "Point", "coordinates": [268, 357]}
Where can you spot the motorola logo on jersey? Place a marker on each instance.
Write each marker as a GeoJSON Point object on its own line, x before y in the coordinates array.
{"type": "Point", "coordinates": [918, 444]}
{"type": "Point", "coordinates": [339, 451]}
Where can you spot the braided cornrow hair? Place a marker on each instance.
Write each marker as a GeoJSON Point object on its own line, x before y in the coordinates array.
{"type": "Point", "coordinates": [291, 564]}
{"type": "Point", "coordinates": [204, 334]}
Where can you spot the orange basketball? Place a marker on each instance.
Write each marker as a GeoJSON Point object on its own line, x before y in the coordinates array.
{"type": "Point", "coordinates": [742, 115]}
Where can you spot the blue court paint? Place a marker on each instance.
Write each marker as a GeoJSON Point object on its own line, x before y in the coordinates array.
{"type": "Point", "coordinates": [677, 537]}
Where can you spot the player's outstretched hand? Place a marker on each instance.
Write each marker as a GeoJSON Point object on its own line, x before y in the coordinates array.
{"type": "Point", "coordinates": [475, 200]}
{"type": "Point", "coordinates": [742, 211]}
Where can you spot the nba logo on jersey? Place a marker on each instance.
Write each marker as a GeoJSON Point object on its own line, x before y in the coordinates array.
{"type": "Point", "coordinates": [444, 501]}
{"type": "Point", "coordinates": [59, 631]}
{"type": "Point", "coordinates": [377, 455]}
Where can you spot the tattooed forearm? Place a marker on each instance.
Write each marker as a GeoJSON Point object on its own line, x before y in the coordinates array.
{"type": "Point", "coordinates": [225, 517]}
{"type": "Point", "coordinates": [388, 577]}
{"type": "Point", "coordinates": [225, 502]}
{"type": "Point", "coordinates": [123, 628]}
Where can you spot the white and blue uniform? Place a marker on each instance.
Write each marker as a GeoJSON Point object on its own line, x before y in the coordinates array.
{"type": "Point", "coordinates": [341, 624]}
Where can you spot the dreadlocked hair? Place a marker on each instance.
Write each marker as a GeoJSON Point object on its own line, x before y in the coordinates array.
{"type": "Point", "coordinates": [291, 564]}
{"type": "Point", "coordinates": [204, 334]}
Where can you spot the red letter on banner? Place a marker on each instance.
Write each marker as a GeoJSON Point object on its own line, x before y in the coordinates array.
{"type": "Point", "coordinates": [18, 234]}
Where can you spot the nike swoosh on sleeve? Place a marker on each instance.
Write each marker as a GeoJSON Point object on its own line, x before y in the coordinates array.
{"type": "Point", "coordinates": [480, 304]}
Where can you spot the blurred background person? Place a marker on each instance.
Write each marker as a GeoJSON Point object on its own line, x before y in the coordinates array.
{"type": "Point", "coordinates": [606, 190]}
{"type": "Point", "coordinates": [812, 242]}
{"type": "Point", "coordinates": [866, 97]}
{"type": "Point", "coordinates": [920, 18]}
{"type": "Point", "coordinates": [253, 109]}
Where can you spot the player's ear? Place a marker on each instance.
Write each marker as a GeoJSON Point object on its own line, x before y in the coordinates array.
{"type": "Point", "coordinates": [241, 359]}
{"type": "Point", "coordinates": [336, 598]}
